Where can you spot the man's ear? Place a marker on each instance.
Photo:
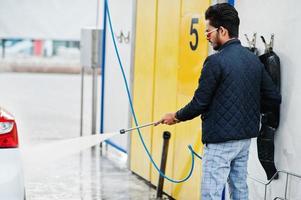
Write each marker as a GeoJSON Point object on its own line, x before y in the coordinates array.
{"type": "Point", "coordinates": [224, 32]}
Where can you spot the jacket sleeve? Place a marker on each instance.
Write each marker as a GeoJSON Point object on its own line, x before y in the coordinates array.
{"type": "Point", "coordinates": [269, 93]}
{"type": "Point", "coordinates": [208, 83]}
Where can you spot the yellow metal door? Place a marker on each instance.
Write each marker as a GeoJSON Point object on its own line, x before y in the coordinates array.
{"type": "Point", "coordinates": [143, 83]}
{"type": "Point", "coordinates": [166, 68]}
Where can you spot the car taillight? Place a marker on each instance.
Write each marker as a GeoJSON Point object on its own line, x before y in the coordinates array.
{"type": "Point", "coordinates": [8, 135]}
{"type": "Point", "coordinates": [6, 127]}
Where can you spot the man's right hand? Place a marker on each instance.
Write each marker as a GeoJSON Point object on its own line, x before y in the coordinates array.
{"type": "Point", "coordinates": [168, 118]}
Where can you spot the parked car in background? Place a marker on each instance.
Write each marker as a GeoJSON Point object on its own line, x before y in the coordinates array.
{"type": "Point", "coordinates": [11, 172]}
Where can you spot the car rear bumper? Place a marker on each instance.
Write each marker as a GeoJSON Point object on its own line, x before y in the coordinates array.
{"type": "Point", "coordinates": [11, 175]}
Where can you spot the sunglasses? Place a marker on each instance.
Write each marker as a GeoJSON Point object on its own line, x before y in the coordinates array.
{"type": "Point", "coordinates": [208, 33]}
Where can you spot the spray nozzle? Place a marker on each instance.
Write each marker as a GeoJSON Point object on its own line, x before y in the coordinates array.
{"type": "Point", "coordinates": [122, 131]}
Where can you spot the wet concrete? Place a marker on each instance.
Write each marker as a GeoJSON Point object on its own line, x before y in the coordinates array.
{"type": "Point", "coordinates": [87, 176]}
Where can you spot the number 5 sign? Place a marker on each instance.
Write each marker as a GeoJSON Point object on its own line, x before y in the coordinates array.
{"type": "Point", "coordinates": [194, 32]}
{"type": "Point", "coordinates": [194, 46]}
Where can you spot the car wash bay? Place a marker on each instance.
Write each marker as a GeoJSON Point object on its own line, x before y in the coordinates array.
{"type": "Point", "coordinates": [164, 66]}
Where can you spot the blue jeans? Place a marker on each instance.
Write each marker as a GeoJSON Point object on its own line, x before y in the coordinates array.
{"type": "Point", "coordinates": [224, 162]}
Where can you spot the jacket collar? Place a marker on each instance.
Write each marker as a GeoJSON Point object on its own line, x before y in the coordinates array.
{"type": "Point", "coordinates": [229, 43]}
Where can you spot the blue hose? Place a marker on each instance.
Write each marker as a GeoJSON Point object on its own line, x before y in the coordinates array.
{"type": "Point", "coordinates": [133, 111]}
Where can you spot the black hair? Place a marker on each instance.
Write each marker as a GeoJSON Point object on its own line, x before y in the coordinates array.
{"type": "Point", "coordinates": [224, 15]}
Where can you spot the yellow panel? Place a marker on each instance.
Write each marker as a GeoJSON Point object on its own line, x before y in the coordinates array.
{"type": "Point", "coordinates": [167, 63]}
{"type": "Point", "coordinates": [194, 49]}
{"type": "Point", "coordinates": [143, 83]}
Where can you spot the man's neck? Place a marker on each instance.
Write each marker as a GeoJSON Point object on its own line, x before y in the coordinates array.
{"type": "Point", "coordinates": [227, 40]}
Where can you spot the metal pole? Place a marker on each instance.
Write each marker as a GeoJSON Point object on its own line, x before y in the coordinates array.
{"type": "Point", "coordinates": [82, 100]}
{"type": "Point", "coordinates": [3, 48]}
{"type": "Point", "coordinates": [166, 137]}
{"type": "Point", "coordinates": [103, 63]}
{"type": "Point", "coordinates": [286, 183]}
{"type": "Point", "coordinates": [94, 99]}
{"type": "Point", "coordinates": [265, 192]}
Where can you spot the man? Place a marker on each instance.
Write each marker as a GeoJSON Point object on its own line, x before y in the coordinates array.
{"type": "Point", "coordinates": [232, 84]}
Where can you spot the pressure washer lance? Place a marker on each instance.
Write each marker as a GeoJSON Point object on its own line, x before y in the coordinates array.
{"type": "Point", "coordinates": [122, 131]}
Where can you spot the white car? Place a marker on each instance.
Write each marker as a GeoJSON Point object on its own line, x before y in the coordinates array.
{"type": "Point", "coordinates": [11, 172]}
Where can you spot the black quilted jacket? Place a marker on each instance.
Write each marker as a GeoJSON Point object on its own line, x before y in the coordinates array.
{"type": "Point", "coordinates": [232, 84]}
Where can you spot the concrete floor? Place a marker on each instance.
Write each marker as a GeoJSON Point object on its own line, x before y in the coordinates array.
{"type": "Point", "coordinates": [87, 176]}
{"type": "Point", "coordinates": [46, 107]}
